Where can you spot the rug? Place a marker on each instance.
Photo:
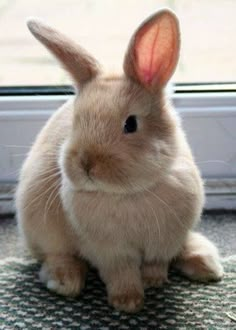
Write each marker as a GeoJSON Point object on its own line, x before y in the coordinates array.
{"type": "Point", "coordinates": [180, 304]}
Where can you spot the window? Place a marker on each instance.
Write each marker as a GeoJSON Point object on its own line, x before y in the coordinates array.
{"type": "Point", "coordinates": [104, 28]}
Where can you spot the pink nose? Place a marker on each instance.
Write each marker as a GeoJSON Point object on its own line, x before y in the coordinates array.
{"type": "Point", "coordinates": [86, 164]}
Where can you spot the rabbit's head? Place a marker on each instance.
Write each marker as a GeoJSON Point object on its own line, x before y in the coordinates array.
{"type": "Point", "coordinates": [123, 136]}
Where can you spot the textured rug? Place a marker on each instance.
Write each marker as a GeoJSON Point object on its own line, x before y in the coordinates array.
{"type": "Point", "coordinates": [181, 304]}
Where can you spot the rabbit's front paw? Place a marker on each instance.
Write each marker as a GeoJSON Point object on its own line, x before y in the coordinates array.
{"type": "Point", "coordinates": [124, 284]}
{"type": "Point", "coordinates": [130, 301]}
{"type": "Point", "coordinates": [63, 275]}
{"type": "Point", "coordinates": [154, 274]}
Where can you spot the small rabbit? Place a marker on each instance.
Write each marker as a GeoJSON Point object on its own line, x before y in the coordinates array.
{"type": "Point", "coordinates": [110, 179]}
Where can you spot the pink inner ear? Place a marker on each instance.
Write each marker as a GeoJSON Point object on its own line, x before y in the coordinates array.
{"type": "Point", "coordinates": [147, 76]}
{"type": "Point", "coordinates": [145, 50]}
{"type": "Point", "coordinates": [156, 53]}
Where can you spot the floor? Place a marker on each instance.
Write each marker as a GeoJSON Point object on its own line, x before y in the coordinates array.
{"type": "Point", "coordinates": [219, 226]}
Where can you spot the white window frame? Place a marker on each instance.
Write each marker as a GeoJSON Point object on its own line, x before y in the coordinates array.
{"type": "Point", "coordinates": [209, 120]}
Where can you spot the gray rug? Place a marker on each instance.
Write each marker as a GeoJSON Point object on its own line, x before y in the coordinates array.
{"type": "Point", "coordinates": [26, 304]}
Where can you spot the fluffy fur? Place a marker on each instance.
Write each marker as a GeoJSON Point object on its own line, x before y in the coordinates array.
{"type": "Point", "coordinates": [126, 203]}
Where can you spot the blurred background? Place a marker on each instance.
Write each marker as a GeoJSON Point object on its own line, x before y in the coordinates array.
{"type": "Point", "coordinates": [104, 27]}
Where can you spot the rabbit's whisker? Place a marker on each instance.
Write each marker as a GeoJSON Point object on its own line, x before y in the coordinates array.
{"type": "Point", "coordinates": [42, 193]}
{"type": "Point", "coordinates": [51, 198]}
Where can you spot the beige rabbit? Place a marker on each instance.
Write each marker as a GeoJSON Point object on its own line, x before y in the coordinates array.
{"type": "Point", "coordinates": [111, 179]}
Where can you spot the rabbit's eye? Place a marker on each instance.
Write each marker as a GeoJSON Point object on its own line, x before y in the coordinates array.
{"type": "Point", "coordinates": [130, 125]}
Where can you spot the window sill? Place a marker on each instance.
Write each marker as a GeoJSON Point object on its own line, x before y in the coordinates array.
{"type": "Point", "coordinates": [220, 195]}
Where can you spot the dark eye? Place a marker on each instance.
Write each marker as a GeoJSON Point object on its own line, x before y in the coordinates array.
{"type": "Point", "coordinates": [130, 125]}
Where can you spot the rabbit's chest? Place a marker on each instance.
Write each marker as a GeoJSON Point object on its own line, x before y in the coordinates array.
{"type": "Point", "coordinates": [152, 224]}
{"type": "Point", "coordinates": [108, 220]}
{"type": "Point", "coordinates": [121, 226]}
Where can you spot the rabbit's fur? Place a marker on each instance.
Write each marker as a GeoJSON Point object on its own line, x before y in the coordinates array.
{"type": "Point", "coordinates": [126, 203]}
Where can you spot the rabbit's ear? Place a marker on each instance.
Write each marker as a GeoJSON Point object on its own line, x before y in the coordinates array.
{"type": "Point", "coordinates": [153, 51]}
{"type": "Point", "coordinates": [81, 66]}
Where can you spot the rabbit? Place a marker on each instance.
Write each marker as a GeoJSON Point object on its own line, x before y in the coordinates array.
{"type": "Point", "coordinates": [110, 180]}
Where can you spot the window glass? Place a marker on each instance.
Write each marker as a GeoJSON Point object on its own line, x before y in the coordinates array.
{"type": "Point", "coordinates": [104, 28]}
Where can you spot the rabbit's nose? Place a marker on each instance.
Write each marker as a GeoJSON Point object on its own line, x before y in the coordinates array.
{"type": "Point", "coordinates": [86, 164]}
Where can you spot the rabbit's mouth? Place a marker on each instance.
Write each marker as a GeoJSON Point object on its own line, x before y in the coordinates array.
{"type": "Point", "coordinates": [85, 181]}
{"type": "Point", "coordinates": [89, 183]}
